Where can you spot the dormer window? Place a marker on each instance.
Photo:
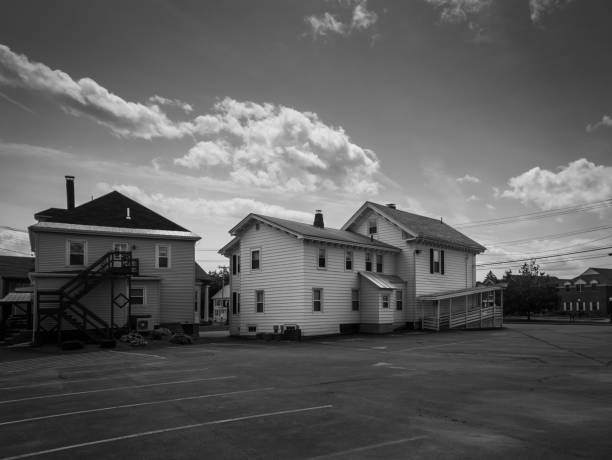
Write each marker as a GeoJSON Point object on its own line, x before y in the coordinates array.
{"type": "Point", "coordinates": [593, 284]}
{"type": "Point", "coordinates": [579, 287]}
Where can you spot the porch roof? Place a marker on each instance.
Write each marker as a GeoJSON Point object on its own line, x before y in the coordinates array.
{"type": "Point", "coordinates": [458, 293]}
{"type": "Point", "coordinates": [383, 281]}
{"type": "Point", "coordinates": [17, 297]}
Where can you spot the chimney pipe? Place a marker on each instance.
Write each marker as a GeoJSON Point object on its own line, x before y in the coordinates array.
{"type": "Point", "coordinates": [69, 192]}
{"type": "Point", "coordinates": [318, 219]}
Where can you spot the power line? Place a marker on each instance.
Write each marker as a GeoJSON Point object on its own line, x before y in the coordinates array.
{"type": "Point", "coordinates": [550, 250]}
{"type": "Point", "coordinates": [543, 257]}
{"type": "Point", "coordinates": [552, 235]}
{"type": "Point", "coordinates": [537, 215]}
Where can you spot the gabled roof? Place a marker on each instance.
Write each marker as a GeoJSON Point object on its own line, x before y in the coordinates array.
{"type": "Point", "coordinates": [419, 227]}
{"type": "Point", "coordinates": [310, 232]}
{"type": "Point", "coordinates": [110, 210]}
{"type": "Point", "coordinates": [16, 267]}
{"type": "Point", "coordinates": [601, 275]}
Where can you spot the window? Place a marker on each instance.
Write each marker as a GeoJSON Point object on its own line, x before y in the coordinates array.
{"type": "Point", "coordinates": [372, 229]}
{"type": "Point", "coordinates": [317, 299]}
{"type": "Point", "coordinates": [322, 258]}
{"type": "Point", "coordinates": [162, 256]}
{"type": "Point", "coordinates": [76, 252]}
{"type": "Point", "coordinates": [379, 263]}
{"type": "Point", "coordinates": [398, 300]}
{"type": "Point", "coordinates": [252, 328]}
{"type": "Point", "coordinates": [259, 301]}
{"type": "Point", "coordinates": [255, 259]}
{"type": "Point", "coordinates": [436, 261]}
{"type": "Point", "coordinates": [593, 284]}
{"type": "Point", "coordinates": [579, 287]}
{"type": "Point", "coordinates": [234, 303]}
{"type": "Point", "coordinates": [348, 259]}
{"type": "Point", "coordinates": [385, 301]}
{"type": "Point", "coordinates": [120, 247]}
{"type": "Point", "coordinates": [137, 296]}
{"type": "Point", "coordinates": [355, 299]}
{"type": "Point", "coordinates": [368, 261]}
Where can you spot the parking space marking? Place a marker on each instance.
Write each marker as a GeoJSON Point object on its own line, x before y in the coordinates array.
{"type": "Point", "coordinates": [137, 354]}
{"type": "Point", "coordinates": [66, 380]}
{"type": "Point", "coordinates": [124, 406]}
{"type": "Point", "coordinates": [165, 430]}
{"type": "Point", "coordinates": [131, 387]}
{"type": "Point", "coordinates": [364, 448]}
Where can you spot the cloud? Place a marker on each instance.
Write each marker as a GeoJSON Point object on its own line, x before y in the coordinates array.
{"type": "Point", "coordinates": [468, 178]}
{"type": "Point", "coordinates": [86, 97]}
{"type": "Point", "coordinates": [490, 207]}
{"type": "Point", "coordinates": [472, 198]}
{"type": "Point", "coordinates": [171, 103]}
{"type": "Point", "coordinates": [218, 209]}
{"type": "Point", "coordinates": [361, 19]}
{"type": "Point", "coordinates": [606, 122]}
{"type": "Point", "coordinates": [455, 11]}
{"type": "Point", "coordinates": [276, 147]}
{"type": "Point", "coordinates": [538, 8]}
{"type": "Point", "coordinates": [578, 182]}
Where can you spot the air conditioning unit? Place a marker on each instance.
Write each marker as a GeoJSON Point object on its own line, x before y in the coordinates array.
{"type": "Point", "coordinates": [144, 324]}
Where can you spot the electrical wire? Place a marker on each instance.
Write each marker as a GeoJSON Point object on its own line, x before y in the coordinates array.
{"type": "Point", "coordinates": [543, 257]}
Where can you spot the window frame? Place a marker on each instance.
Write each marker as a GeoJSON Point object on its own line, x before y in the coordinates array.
{"type": "Point", "coordinates": [579, 287]}
{"type": "Point", "coordinates": [321, 249]}
{"type": "Point", "coordinates": [379, 266]}
{"type": "Point", "coordinates": [372, 226]}
{"type": "Point", "coordinates": [384, 298]}
{"type": "Point", "coordinates": [258, 251]}
{"type": "Point", "coordinates": [319, 300]}
{"type": "Point", "coordinates": [368, 261]}
{"type": "Point", "coordinates": [436, 266]}
{"type": "Point", "coordinates": [144, 295]}
{"type": "Point", "coordinates": [399, 300]}
{"type": "Point", "coordinates": [348, 259]}
{"type": "Point", "coordinates": [355, 302]}
{"type": "Point", "coordinates": [69, 252]}
{"type": "Point", "coordinates": [263, 301]}
{"type": "Point", "coordinates": [158, 246]}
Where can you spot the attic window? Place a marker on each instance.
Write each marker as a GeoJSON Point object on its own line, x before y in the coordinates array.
{"type": "Point", "coordinates": [372, 229]}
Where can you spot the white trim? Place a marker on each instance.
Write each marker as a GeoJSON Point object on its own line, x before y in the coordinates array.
{"type": "Point", "coordinates": [157, 246]}
{"type": "Point", "coordinates": [120, 231]}
{"type": "Point", "coordinates": [320, 310]}
{"type": "Point", "coordinates": [144, 296]}
{"type": "Point", "coordinates": [263, 301]}
{"type": "Point", "coordinates": [67, 258]}
{"type": "Point", "coordinates": [251, 251]}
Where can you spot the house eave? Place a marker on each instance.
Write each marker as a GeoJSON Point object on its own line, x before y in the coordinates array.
{"type": "Point", "coordinates": [56, 227]}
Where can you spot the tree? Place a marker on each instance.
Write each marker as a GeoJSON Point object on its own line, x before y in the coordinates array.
{"type": "Point", "coordinates": [530, 291]}
{"type": "Point", "coordinates": [491, 277]}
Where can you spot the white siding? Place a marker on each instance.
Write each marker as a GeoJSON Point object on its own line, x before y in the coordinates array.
{"type": "Point", "coordinates": [177, 288]}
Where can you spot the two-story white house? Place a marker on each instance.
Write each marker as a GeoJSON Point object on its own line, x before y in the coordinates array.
{"type": "Point", "coordinates": [108, 263]}
{"type": "Point", "coordinates": [384, 269]}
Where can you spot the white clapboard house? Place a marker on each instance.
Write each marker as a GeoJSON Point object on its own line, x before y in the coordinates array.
{"type": "Point", "coordinates": [107, 263]}
{"type": "Point", "coordinates": [384, 269]}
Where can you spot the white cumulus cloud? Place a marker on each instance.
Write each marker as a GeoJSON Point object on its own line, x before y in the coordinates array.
{"type": "Point", "coordinates": [360, 19]}
{"type": "Point", "coordinates": [578, 182]}
{"type": "Point", "coordinates": [468, 178]}
{"type": "Point", "coordinates": [538, 8]}
{"type": "Point", "coordinates": [276, 147]}
{"type": "Point", "coordinates": [86, 97]}
{"type": "Point", "coordinates": [171, 103]}
{"type": "Point", "coordinates": [606, 121]}
{"type": "Point", "coordinates": [454, 11]}
{"type": "Point", "coordinates": [325, 24]}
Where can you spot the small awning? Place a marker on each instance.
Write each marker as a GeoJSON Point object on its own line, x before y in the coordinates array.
{"type": "Point", "coordinates": [458, 293]}
{"type": "Point", "coordinates": [17, 297]}
{"type": "Point", "coordinates": [384, 281]}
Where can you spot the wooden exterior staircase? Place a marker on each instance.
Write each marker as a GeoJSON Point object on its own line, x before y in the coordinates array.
{"type": "Point", "coordinates": [64, 307]}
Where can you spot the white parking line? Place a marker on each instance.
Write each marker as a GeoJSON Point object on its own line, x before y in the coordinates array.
{"type": "Point", "coordinates": [138, 354]}
{"type": "Point", "coordinates": [364, 448]}
{"type": "Point", "coordinates": [123, 406]}
{"type": "Point", "coordinates": [165, 430]}
{"type": "Point", "coordinates": [66, 381]}
{"type": "Point", "coordinates": [74, 393]}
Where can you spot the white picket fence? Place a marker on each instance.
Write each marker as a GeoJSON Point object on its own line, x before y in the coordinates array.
{"type": "Point", "coordinates": [474, 318]}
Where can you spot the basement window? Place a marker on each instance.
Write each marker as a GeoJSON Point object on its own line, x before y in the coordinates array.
{"type": "Point", "coordinates": [137, 296]}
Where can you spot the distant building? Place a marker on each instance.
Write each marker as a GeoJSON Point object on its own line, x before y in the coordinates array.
{"type": "Point", "coordinates": [589, 293]}
{"type": "Point", "coordinates": [221, 303]}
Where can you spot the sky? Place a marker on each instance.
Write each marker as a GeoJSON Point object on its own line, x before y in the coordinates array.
{"type": "Point", "coordinates": [467, 110]}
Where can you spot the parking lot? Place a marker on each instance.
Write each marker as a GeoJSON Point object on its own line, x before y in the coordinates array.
{"type": "Point", "coordinates": [524, 391]}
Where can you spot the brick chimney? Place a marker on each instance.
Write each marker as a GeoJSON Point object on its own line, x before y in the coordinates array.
{"type": "Point", "coordinates": [69, 192]}
{"type": "Point", "coordinates": [318, 219]}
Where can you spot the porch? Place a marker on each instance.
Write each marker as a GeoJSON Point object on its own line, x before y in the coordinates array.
{"type": "Point", "coordinates": [472, 308]}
